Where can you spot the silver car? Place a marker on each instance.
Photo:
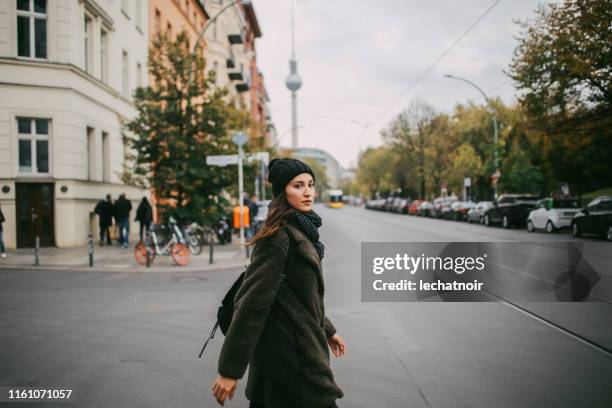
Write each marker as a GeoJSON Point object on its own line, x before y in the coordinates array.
{"type": "Point", "coordinates": [476, 214]}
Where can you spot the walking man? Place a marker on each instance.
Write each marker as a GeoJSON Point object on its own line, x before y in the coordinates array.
{"type": "Point", "coordinates": [144, 215]}
{"type": "Point", "coordinates": [123, 206]}
{"type": "Point", "coordinates": [104, 209]}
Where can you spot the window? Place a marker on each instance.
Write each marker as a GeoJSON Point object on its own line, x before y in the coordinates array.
{"type": "Point", "coordinates": [138, 13]}
{"type": "Point", "coordinates": [215, 34]}
{"type": "Point", "coordinates": [169, 30]}
{"type": "Point", "coordinates": [91, 153]}
{"type": "Point", "coordinates": [216, 71]}
{"type": "Point", "coordinates": [105, 157]}
{"type": "Point", "coordinates": [157, 21]}
{"type": "Point", "coordinates": [104, 55]}
{"type": "Point", "coordinates": [195, 18]}
{"type": "Point", "coordinates": [88, 48]}
{"type": "Point", "coordinates": [125, 80]}
{"type": "Point", "coordinates": [187, 6]}
{"type": "Point", "coordinates": [33, 136]}
{"type": "Point", "coordinates": [32, 28]}
{"type": "Point", "coordinates": [124, 6]}
{"type": "Point", "coordinates": [139, 74]}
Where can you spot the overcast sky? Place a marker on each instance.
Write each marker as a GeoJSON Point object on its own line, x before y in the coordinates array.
{"type": "Point", "coordinates": [356, 57]}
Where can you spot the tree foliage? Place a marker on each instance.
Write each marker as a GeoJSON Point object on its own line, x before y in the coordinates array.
{"type": "Point", "coordinates": [563, 70]}
{"type": "Point", "coordinates": [180, 122]}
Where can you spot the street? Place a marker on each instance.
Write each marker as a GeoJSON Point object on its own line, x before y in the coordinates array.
{"type": "Point", "coordinates": [131, 339]}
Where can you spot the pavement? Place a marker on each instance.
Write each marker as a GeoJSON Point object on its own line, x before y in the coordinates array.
{"type": "Point", "coordinates": [117, 259]}
{"type": "Point", "coordinates": [127, 339]}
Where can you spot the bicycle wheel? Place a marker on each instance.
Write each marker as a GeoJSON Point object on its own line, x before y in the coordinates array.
{"type": "Point", "coordinates": [180, 254]}
{"type": "Point", "coordinates": [140, 253]}
{"type": "Point", "coordinates": [195, 246]}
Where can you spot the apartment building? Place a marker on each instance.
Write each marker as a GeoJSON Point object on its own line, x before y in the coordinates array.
{"type": "Point", "coordinates": [67, 72]}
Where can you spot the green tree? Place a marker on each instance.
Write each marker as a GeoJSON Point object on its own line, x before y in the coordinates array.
{"type": "Point", "coordinates": [562, 68]}
{"type": "Point", "coordinates": [179, 123]}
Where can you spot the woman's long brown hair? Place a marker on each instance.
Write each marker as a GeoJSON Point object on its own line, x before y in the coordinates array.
{"type": "Point", "coordinates": [278, 211]}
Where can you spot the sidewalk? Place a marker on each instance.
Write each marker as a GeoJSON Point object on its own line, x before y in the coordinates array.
{"type": "Point", "coordinates": [117, 259]}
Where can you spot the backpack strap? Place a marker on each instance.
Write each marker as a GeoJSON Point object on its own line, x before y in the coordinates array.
{"type": "Point", "coordinates": [283, 276]}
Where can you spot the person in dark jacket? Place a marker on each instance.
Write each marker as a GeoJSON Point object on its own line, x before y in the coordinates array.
{"type": "Point", "coordinates": [144, 215]}
{"type": "Point", "coordinates": [253, 211]}
{"type": "Point", "coordinates": [123, 206]}
{"type": "Point", "coordinates": [105, 210]}
{"type": "Point", "coordinates": [279, 328]}
{"type": "Point", "coordinates": [2, 248]}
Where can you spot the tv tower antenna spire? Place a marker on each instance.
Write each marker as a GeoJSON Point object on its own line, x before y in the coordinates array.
{"type": "Point", "coordinates": [293, 82]}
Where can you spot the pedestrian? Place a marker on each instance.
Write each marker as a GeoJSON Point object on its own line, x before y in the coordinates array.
{"type": "Point", "coordinates": [2, 248]}
{"type": "Point", "coordinates": [253, 211]}
{"type": "Point", "coordinates": [105, 211]}
{"type": "Point", "coordinates": [123, 206]}
{"type": "Point", "coordinates": [144, 215]}
{"type": "Point", "coordinates": [279, 328]}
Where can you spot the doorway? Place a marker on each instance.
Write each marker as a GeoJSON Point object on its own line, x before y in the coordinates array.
{"type": "Point", "coordinates": [34, 214]}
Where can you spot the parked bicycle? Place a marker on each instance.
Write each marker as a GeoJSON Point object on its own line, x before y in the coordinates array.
{"type": "Point", "coordinates": [174, 247]}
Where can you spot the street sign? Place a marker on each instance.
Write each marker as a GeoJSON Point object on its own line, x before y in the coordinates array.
{"type": "Point", "coordinates": [240, 139]}
{"type": "Point", "coordinates": [467, 182]}
{"type": "Point", "coordinates": [260, 156]}
{"type": "Point", "coordinates": [222, 160]}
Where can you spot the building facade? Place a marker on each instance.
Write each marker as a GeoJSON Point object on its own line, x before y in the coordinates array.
{"type": "Point", "coordinates": [67, 72]}
{"type": "Point", "coordinates": [174, 16]}
{"type": "Point", "coordinates": [332, 168]}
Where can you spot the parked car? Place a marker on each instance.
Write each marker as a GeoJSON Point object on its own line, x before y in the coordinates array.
{"type": "Point", "coordinates": [414, 207]}
{"type": "Point", "coordinates": [388, 206]}
{"type": "Point", "coordinates": [425, 209]}
{"type": "Point", "coordinates": [442, 205]}
{"type": "Point", "coordinates": [510, 210]}
{"type": "Point", "coordinates": [551, 214]}
{"type": "Point", "coordinates": [476, 214]}
{"type": "Point", "coordinates": [595, 218]}
{"type": "Point", "coordinates": [459, 209]}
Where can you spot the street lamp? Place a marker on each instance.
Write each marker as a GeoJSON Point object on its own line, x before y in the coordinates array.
{"type": "Point", "coordinates": [495, 130]}
{"type": "Point", "coordinates": [209, 23]}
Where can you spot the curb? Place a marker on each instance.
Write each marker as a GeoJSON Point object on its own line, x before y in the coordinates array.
{"type": "Point", "coordinates": [136, 269]}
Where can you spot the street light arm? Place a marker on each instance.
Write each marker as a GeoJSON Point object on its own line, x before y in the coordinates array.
{"type": "Point", "coordinates": [471, 83]}
{"type": "Point", "coordinates": [212, 20]}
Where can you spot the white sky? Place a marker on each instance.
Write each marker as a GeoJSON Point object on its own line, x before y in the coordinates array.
{"type": "Point", "coordinates": [356, 57]}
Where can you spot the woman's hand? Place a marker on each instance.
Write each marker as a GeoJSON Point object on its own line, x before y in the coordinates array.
{"type": "Point", "coordinates": [224, 388]}
{"type": "Point", "coordinates": [336, 343]}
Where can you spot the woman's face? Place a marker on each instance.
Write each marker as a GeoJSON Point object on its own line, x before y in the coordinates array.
{"type": "Point", "coordinates": [300, 192]}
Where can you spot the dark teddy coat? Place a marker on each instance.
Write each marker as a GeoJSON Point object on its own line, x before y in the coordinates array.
{"type": "Point", "coordinates": [279, 329]}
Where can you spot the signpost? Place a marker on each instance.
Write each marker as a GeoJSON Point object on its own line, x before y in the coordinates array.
{"type": "Point", "coordinates": [239, 140]}
{"type": "Point", "coordinates": [222, 160]}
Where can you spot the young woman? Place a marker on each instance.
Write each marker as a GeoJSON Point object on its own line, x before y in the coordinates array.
{"type": "Point", "coordinates": [279, 328]}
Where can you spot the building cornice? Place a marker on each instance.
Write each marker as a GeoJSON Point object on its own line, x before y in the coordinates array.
{"type": "Point", "coordinates": [72, 69]}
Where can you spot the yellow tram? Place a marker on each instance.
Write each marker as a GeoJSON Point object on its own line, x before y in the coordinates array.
{"type": "Point", "coordinates": [333, 199]}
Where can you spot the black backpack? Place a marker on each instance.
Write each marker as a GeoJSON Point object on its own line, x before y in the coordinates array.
{"type": "Point", "coordinates": [225, 312]}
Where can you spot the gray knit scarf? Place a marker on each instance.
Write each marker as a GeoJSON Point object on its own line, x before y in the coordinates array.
{"type": "Point", "coordinates": [308, 223]}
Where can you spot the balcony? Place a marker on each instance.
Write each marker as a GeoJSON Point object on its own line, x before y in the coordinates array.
{"type": "Point", "coordinates": [235, 76]}
{"type": "Point", "coordinates": [235, 39]}
{"type": "Point", "coordinates": [243, 87]}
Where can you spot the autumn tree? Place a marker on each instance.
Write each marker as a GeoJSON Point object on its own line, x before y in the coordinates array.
{"type": "Point", "coordinates": [182, 118]}
{"type": "Point", "coordinates": [563, 70]}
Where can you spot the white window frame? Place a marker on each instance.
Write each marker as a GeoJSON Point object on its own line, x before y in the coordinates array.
{"type": "Point", "coordinates": [88, 43]}
{"type": "Point", "coordinates": [125, 74]}
{"type": "Point", "coordinates": [32, 17]}
{"type": "Point", "coordinates": [104, 55]}
{"type": "Point", "coordinates": [139, 74]}
{"type": "Point", "coordinates": [33, 137]}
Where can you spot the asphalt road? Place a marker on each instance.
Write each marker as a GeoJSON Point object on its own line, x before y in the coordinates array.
{"type": "Point", "coordinates": [132, 339]}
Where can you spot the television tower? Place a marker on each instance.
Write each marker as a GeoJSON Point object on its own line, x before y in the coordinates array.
{"type": "Point", "coordinates": [293, 82]}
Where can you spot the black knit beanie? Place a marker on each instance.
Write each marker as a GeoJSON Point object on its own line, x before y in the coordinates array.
{"type": "Point", "coordinates": [282, 171]}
